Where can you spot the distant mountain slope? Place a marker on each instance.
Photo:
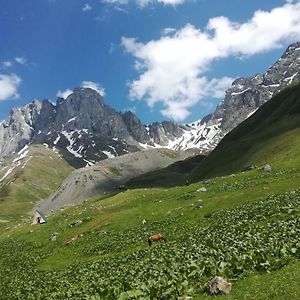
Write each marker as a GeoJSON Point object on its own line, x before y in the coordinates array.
{"type": "Point", "coordinates": [31, 175]}
{"type": "Point", "coordinates": [175, 174]}
{"type": "Point", "coordinates": [108, 176]}
{"type": "Point", "coordinates": [85, 130]}
{"type": "Point", "coordinates": [271, 135]}
{"type": "Point", "coordinates": [82, 128]}
{"type": "Point", "coordinates": [242, 99]}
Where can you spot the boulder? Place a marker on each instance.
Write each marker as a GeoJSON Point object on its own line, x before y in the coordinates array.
{"type": "Point", "coordinates": [75, 224]}
{"type": "Point", "coordinates": [219, 285]}
{"type": "Point", "coordinates": [203, 189]}
{"type": "Point", "coordinates": [267, 168]}
{"type": "Point", "coordinates": [208, 181]}
{"type": "Point", "coordinates": [53, 237]}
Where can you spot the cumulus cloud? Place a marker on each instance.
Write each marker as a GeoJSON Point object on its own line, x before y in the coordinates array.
{"type": "Point", "coordinates": [172, 70]}
{"type": "Point", "coordinates": [64, 94]}
{"type": "Point", "coordinates": [95, 86]}
{"type": "Point", "coordinates": [144, 3]}
{"type": "Point", "coordinates": [117, 2]}
{"type": "Point", "coordinates": [9, 85]}
{"type": "Point", "coordinates": [85, 84]}
{"type": "Point", "coordinates": [86, 7]}
{"type": "Point", "coordinates": [21, 60]}
{"type": "Point", "coordinates": [168, 30]}
{"type": "Point", "coordinates": [6, 64]}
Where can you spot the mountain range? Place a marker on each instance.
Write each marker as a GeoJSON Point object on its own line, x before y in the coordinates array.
{"type": "Point", "coordinates": [84, 130]}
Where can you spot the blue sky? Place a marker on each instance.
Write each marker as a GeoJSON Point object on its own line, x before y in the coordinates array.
{"type": "Point", "coordinates": [166, 59]}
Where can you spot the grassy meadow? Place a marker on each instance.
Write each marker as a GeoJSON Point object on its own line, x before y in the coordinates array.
{"type": "Point", "coordinates": [244, 227]}
{"type": "Point", "coordinates": [25, 186]}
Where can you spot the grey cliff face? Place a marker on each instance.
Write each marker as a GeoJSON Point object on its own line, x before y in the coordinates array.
{"type": "Point", "coordinates": [162, 133]}
{"type": "Point", "coordinates": [17, 130]}
{"type": "Point", "coordinates": [248, 94]}
{"type": "Point", "coordinates": [135, 127]}
{"type": "Point", "coordinates": [242, 99]}
{"type": "Point", "coordinates": [85, 130]}
{"type": "Point", "coordinates": [82, 128]}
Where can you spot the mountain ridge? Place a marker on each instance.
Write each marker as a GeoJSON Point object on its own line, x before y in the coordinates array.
{"type": "Point", "coordinates": [82, 127]}
{"type": "Point", "coordinates": [241, 100]}
{"type": "Point", "coordinates": [85, 130]}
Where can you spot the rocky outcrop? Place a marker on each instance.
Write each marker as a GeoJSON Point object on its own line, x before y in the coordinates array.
{"type": "Point", "coordinates": [242, 99]}
{"type": "Point", "coordinates": [85, 130]}
{"type": "Point", "coordinates": [82, 127]}
{"type": "Point", "coordinates": [219, 286]}
{"type": "Point", "coordinates": [108, 176]}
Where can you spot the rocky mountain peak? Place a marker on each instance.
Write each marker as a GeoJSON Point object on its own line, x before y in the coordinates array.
{"type": "Point", "coordinates": [241, 100]}
{"type": "Point", "coordinates": [85, 130]}
{"type": "Point", "coordinates": [291, 50]}
{"type": "Point", "coordinates": [81, 127]}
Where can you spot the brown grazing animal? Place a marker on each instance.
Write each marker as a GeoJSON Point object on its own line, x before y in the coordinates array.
{"type": "Point", "coordinates": [155, 238]}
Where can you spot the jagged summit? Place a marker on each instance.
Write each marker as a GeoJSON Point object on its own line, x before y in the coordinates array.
{"type": "Point", "coordinates": [241, 100]}
{"type": "Point", "coordinates": [85, 129]}
{"type": "Point", "coordinates": [82, 128]}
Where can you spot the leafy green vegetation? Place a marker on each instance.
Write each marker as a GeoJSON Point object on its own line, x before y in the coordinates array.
{"type": "Point", "coordinates": [243, 226]}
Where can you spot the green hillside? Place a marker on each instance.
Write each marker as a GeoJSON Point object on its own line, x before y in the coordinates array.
{"type": "Point", "coordinates": [175, 174]}
{"type": "Point", "coordinates": [245, 228]}
{"type": "Point", "coordinates": [32, 178]}
{"type": "Point", "coordinates": [271, 135]}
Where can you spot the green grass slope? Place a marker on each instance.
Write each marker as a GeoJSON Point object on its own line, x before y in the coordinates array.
{"type": "Point", "coordinates": [175, 174]}
{"type": "Point", "coordinates": [271, 135]}
{"type": "Point", "coordinates": [245, 228]}
{"type": "Point", "coordinates": [32, 178]}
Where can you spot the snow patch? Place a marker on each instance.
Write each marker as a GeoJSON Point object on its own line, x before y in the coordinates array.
{"type": "Point", "coordinates": [108, 154]}
{"type": "Point", "coordinates": [56, 140]}
{"type": "Point", "coordinates": [239, 93]}
{"type": "Point", "coordinates": [71, 120]}
{"type": "Point", "coordinates": [7, 173]}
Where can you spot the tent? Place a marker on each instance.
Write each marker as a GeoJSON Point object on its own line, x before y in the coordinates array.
{"type": "Point", "coordinates": [39, 218]}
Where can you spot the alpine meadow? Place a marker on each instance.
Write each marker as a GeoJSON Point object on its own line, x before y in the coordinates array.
{"type": "Point", "coordinates": [171, 170]}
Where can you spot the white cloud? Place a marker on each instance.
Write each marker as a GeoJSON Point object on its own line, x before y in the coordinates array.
{"type": "Point", "coordinates": [95, 86]}
{"type": "Point", "coordinates": [216, 88]}
{"type": "Point", "coordinates": [171, 2]}
{"type": "Point", "coordinates": [172, 69]}
{"type": "Point", "coordinates": [85, 84]}
{"type": "Point", "coordinates": [9, 85]}
{"type": "Point", "coordinates": [64, 94]}
{"type": "Point", "coordinates": [144, 3]}
{"type": "Point", "coordinates": [21, 60]}
{"type": "Point", "coordinates": [117, 2]}
{"type": "Point", "coordinates": [86, 7]}
{"type": "Point", "coordinates": [168, 30]}
{"type": "Point", "coordinates": [6, 64]}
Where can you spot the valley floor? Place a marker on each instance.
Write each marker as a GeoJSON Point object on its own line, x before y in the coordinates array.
{"type": "Point", "coordinates": [244, 227]}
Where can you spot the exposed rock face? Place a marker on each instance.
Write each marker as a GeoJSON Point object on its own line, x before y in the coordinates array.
{"type": "Point", "coordinates": [242, 99]}
{"type": "Point", "coordinates": [82, 127]}
{"type": "Point", "coordinates": [135, 127]}
{"type": "Point", "coordinates": [218, 286]}
{"type": "Point", "coordinates": [108, 176]}
{"type": "Point", "coordinates": [163, 133]}
{"type": "Point", "coordinates": [85, 130]}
